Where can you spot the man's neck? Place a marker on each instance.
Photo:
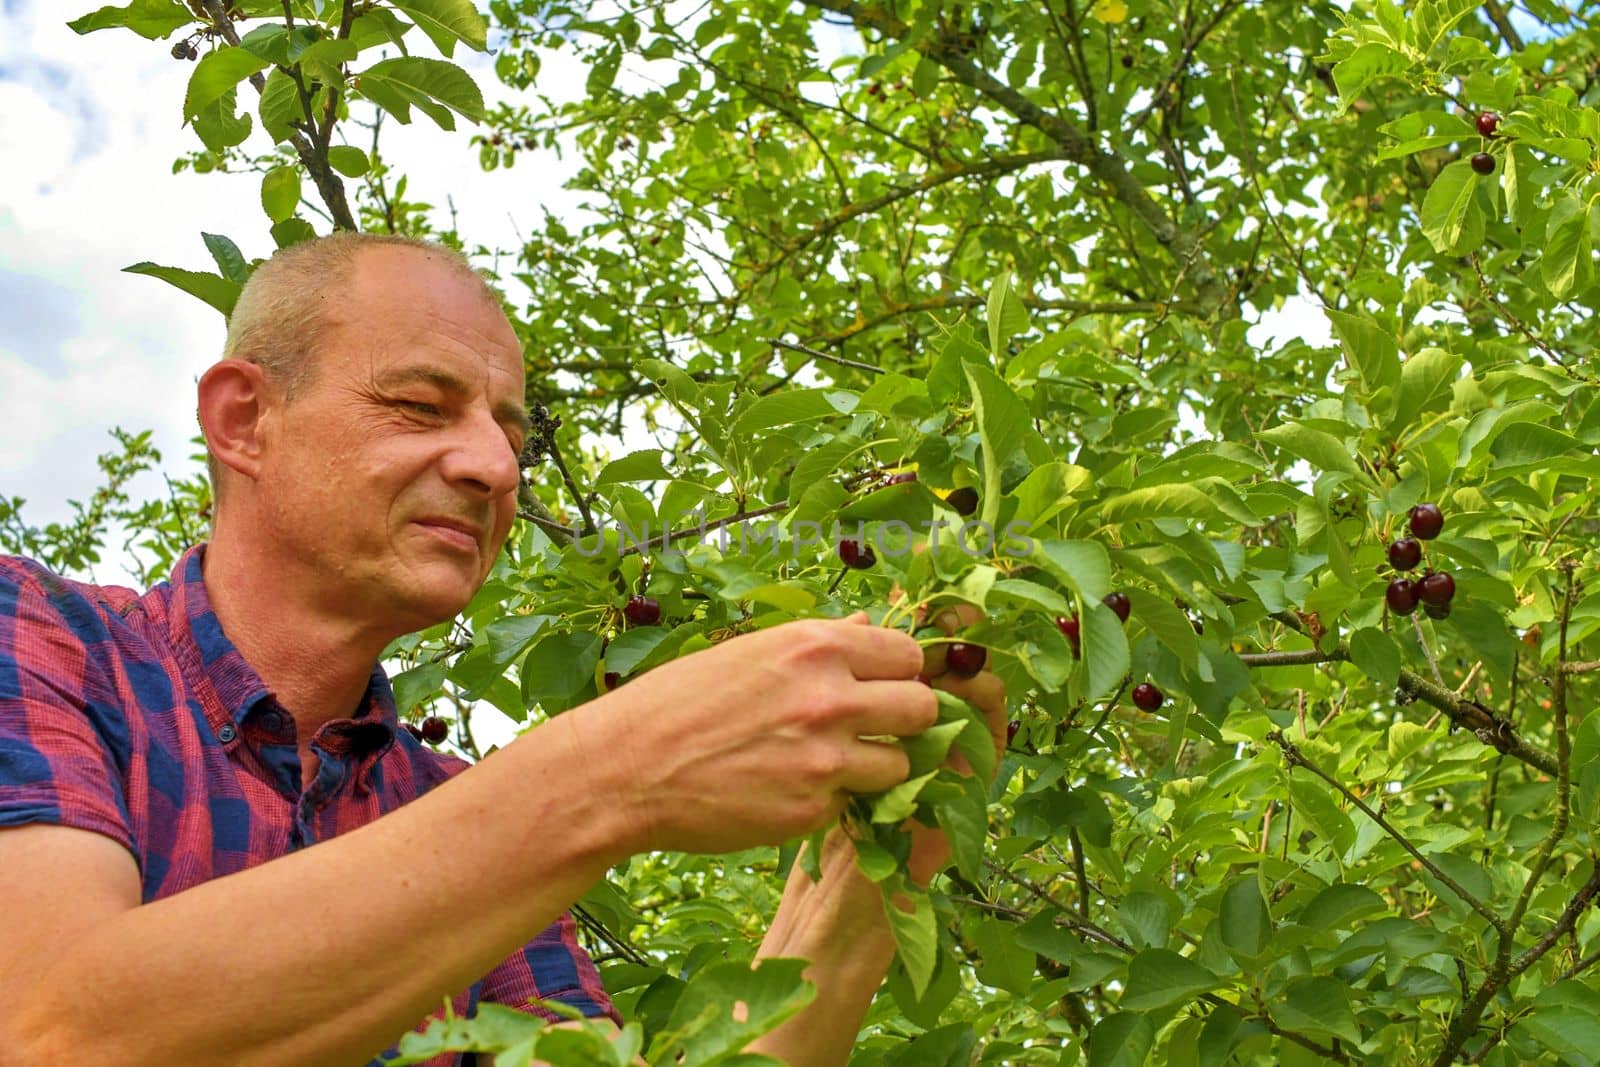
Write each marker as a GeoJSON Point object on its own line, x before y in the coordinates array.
{"type": "Point", "coordinates": [317, 665]}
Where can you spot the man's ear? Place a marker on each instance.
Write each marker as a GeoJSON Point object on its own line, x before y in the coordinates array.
{"type": "Point", "coordinates": [233, 398]}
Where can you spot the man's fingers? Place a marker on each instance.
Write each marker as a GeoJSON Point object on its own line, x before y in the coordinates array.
{"type": "Point", "coordinates": [984, 691]}
{"type": "Point", "coordinates": [898, 708]}
{"type": "Point", "coordinates": [875, 766]}
{"type": "Point", "coordinates": [879, 652]}
{"type": "Point", "coordinates": [953, 617]}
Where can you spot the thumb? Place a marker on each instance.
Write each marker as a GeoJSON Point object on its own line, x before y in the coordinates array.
{"type": "Point", "coordinates": [858, 617]}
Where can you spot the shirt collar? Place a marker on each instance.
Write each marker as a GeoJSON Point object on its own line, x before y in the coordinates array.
{"type": "Point", "coordinates": [207, 654]}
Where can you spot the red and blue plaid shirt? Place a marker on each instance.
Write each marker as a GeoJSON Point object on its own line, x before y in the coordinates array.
{"type": "Point", "coordinates": [135, 717]}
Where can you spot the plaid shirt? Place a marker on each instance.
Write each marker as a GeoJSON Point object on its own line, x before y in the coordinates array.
{"type": "Point", "coordinates": [135, 717]}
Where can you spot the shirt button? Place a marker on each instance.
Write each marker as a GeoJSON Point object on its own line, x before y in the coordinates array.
{"type": "Point", "coordinates": [226, 734]}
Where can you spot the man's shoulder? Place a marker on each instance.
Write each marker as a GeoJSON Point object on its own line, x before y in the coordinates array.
{"type": "Point", "coordinates": [31, 592]}
{"type": "Point", "coordinates": [429, 766]}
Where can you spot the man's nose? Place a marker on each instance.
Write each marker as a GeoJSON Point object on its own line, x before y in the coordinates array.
{"type": "Point", "coordinates": [483, 457]}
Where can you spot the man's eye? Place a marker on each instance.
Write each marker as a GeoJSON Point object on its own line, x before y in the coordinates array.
{"type": "Point", "coordinates": [420, 407]}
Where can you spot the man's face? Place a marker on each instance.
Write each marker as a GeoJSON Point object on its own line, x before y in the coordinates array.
{"type": "Point", "coordinates": [391, 476]}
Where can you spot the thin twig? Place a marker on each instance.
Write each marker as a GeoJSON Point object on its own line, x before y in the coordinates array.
{"type": "Point", "coordinates": [1295, 757]}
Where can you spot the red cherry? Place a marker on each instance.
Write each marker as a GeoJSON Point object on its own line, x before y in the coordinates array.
{"type": "Point", "coordinates": [1488, 123]}
{"type": "Point", "coordinates": [642, 610]}
{"type": "Point", "coordinates": [613, 679]}
{"type": "Point", "coordinates": [1483, 163]}
{"type": "Point", "coordinates": [964, 500]}
{"type": "Point", "coordinates": [1011, 731]}
{"type": "Point", "coordinates": [1071, 628]}
{"type": "Point", "coordinates": [1147, 697]}
{"type": "Point", "coordinates": [435, 729]}
{"type": "Point", "coordinates": [901, 478]}
{"type": "Point", "coordinates": [1437, 611]}
{"type": "Point", "coordinates": [857, 555]}
{"type": "Point", "coordinates": [964, 660]}
{"type": "Point", "coordinates": [1118, 602]}
{"type": "Point", "coordinates": [1426, 521]}
{"type": "Point", "coordinates": [1405, 554]}
{"type": "Point", "coordinates": [1436, 588]}
{"type": "Point", "coordinates": [1401, 596]}
{"type": "Point", "coordinates": [411, 728]}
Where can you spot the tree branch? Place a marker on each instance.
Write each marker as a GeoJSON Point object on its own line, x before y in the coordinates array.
{"type": "Point", "coordinates": [1076, 146]}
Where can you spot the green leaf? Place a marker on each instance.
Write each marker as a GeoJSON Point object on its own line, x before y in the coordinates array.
{"type": "Point", "coordinates": [896, 805]}
{"type": "Point", "coordinates": [214, 289]}
{"type": "Point", "coordinates": [1168, 623]}
{"type": "Point", "coordinates": [642, 466]}
{"type": "Point", "coordinates": [1318, 1005]}
{"type": "Point", "coordinates": [215, 74]}
{"type": "Point", "coordinates": [230, 261]}
{"type": "Point", "coordinates": [1567, 248]}
{"type": "Point", "coordinates": [1021, 591]}
{"type": "Point", "coordinates": [510, 636]}
{"type": "Point", "coordinates": [1002, 962]}
{"type": "Point", "coordinates": [559, 666]}
{"type": "Point", "coordinates": [348, 160]}
{"type": "Point", "coordinates": [150, 19]}
{"type": "Point", "coordinates": [1563, 1018]}
{"type": "Point", "coordinates": [792, 406]}
{"type": "Point", "coordinates": [875, 861]}
{"type": "Point", "coordinates": [1432, 20]}
{"type": "Point", "coordinates": [434, 86]}
{"type": "Point", "coordinates": [1160, 978]}
{"type": "Point", "coordinates": [280, 107]}
{"type": "Point", "coordinates": [603, 74]}
{"type": "Point", "coordinates": [1006, 316]}
{"type": "Point", "coordinates": [1444, 209]}
{"type": "Point", "coordinates": [280, 192]}
{"type": "Point", "coordinates": [1322, 450]}
{"type": "Point", "coordinates": [1121, 1040]}
{"type": "Point", "coordinates": [727, 1005]}
{"type": "Point", "coordinates": [929, 748]}
{"type": "Point", "coordinates": [412, 686]}
{"type": "Point", "coordinates": [916, 934]}
{"type": "Point", "coordinates": [219, 125]}
{"type": "Point", "coordinates": [448, 21]}
{"type": "Point", "coordinates": [1001, 418]}
{"type": "Point", "coordinates": [1175, 500]}
{"type": "Point", "coordinates": [1147, 917]}
{"type": "Point", "coordinates": [1424, 378]}
{"type": "Point", "coordinates": [965, 821]}
{"type": "Point", "coordinates": [292, 232]}
{"type": "Point", "coordinates": [1377, 655]}
{"type": "Point", "coordinates": [1246, 924]}
{"type": "Point", "coordinates": [1082, 566]}
{"type": "Point", "coordinates": [1371, 349]}
{"type": "Point", "coordinates": [1369, 63]}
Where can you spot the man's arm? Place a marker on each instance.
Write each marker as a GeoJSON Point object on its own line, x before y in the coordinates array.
{"type": "Point", "coordinates": [326, 956]}
{"type": "Point", "coordinates": [323, 956]}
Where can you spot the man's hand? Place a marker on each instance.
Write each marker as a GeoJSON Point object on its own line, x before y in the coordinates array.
{"type": "Point", "coordinates": [760, 739]}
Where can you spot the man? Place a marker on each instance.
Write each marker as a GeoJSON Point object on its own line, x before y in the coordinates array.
{"type": "Point", "coordinates": [157, 752]}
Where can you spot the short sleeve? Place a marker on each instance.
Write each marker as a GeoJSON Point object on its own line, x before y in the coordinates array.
{"type": "Point", "coordinates": [553, 966]}
{"type": "Point", "coordinates": [60, 746]}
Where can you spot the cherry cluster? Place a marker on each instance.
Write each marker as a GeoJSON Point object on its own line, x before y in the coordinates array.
{"type": "Point", "coordinates": [1435, 589]}
{"type": "Point", "coordinates": [1146, 696]}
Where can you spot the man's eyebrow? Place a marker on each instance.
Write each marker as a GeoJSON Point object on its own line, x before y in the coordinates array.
{"type": "Point", "coordinates": [505, 412]}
